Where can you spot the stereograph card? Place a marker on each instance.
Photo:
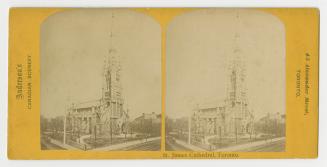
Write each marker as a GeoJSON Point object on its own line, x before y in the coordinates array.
{"type": "Point", "coordinates": [163, 83]}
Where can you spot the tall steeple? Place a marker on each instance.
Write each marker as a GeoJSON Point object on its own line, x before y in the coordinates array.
{"type": "Point", "coordinates": [112, 87]}
{"type": "Point", "coordinates": [236, 97]}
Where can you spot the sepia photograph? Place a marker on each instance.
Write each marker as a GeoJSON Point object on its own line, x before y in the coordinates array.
{"type": "Point", "coordinates": [100, 81]}
{"type": "Point", "coordinates": [225, 82]}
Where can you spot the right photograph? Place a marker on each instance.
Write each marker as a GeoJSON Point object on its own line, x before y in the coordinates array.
{"type": "Point", "coordinates": [225, 82]}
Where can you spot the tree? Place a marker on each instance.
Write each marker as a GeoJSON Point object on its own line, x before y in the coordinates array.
{"type": "Point", "coordinates": [44, 123]}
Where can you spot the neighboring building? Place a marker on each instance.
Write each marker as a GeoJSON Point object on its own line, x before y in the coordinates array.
{"type": "Point", "coordinates": [155, 118]}
{"type": "Point", "coordinates": [147, 123]}
{"type": "Point", "coordinates": [277, 117]}
{"type": "Point", "coordinates": [232, 116]}
{"type": "Point", "coordinates": [271, 123]}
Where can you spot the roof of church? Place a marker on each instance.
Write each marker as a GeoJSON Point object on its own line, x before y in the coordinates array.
{"type": "Point", "coordinates": [208, 105]}
{"type": "Point", "coordinates": [87, 104]}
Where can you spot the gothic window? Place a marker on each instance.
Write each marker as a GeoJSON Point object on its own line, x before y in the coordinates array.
{"type": "Point", "coordinates": [108, 77]}
{"type": "Point", "coordinates": [118, 75]}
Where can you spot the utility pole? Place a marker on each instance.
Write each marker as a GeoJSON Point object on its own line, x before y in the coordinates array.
{"type": "Point", "coordinates": [220, 135]}
{"type": "Point", "coordinates": [189, 130]}
{"type": "Point", "coordinates": [235, 130]}
{"type": "Point", "coordinates": [125, 129]}
{"type": "Point", "coordinates": [65, 119]}
{"type": "Point", "coordinates": [250, 135]}
{"type": "Point", "coordinates": [235, 134]}
{"type": "Point", "coordinates": [110, 130]}
{"type": "Point", "coordinates": [266, 128]}
{"type": "Point", "coordinates": [95, 135]}
{"type": "Point", "coordinates": [78, 135]}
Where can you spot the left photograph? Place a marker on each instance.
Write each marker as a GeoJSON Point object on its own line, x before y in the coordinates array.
{"type": "Point", "coordinates": [100, 81]}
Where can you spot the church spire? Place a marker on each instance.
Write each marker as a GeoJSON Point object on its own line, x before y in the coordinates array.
{"type": "Point", "coordinates": [236, 72]}
{"type": "Point", "coordinates": [112, 69]}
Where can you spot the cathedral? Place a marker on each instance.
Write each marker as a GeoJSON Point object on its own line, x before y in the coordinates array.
{"type": "Point", "coordinates": [232, 117]}
{"type": "Point", "coordinates": [106, 115]}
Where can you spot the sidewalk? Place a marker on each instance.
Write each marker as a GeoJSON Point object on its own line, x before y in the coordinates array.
{"type": "Point", "coordinates": [123, 145]}
{"type": "Point", "coordinates": [65, 146]}
{"type": "Point", "coordinates": [189, 146]}
{"type": "Point", "coordinates": [249, 145]}
{"type": "Point", "coordinates": [206, 139]}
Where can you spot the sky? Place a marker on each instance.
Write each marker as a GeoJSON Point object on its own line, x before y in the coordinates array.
{"type": "Point", "coordinates": [73, 49]}
{"type": "Point", "coordinates": [199, 46]}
